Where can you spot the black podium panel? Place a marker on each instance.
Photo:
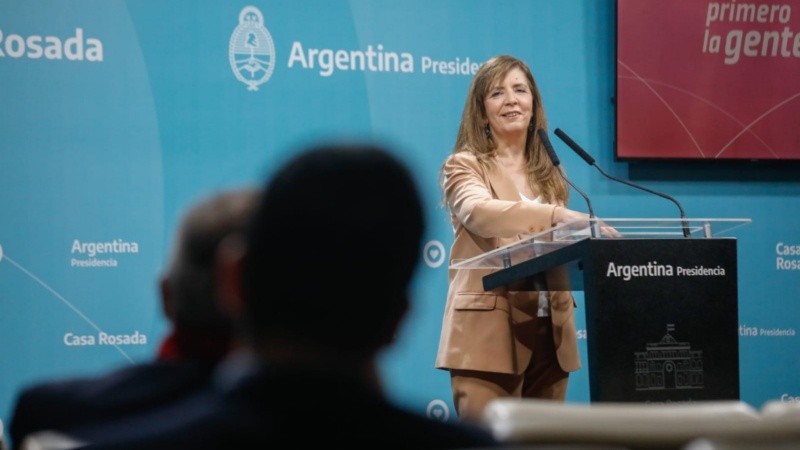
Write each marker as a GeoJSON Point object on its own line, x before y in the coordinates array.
{"type": "Point", "coordinates": [662, 319]}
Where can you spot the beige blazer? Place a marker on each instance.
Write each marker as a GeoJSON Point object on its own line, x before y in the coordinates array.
{"type": "Point", "coordinates": [486, 330]}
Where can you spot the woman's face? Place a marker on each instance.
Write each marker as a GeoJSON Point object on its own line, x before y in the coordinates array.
{"type": "Point", "coordinates": [509, 105]}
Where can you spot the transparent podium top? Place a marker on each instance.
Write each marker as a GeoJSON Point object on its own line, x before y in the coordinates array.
{"type": "Point", "coordinates": [568, 233]}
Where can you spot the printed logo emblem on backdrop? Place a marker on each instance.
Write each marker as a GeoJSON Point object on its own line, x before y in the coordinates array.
{"type": "Point", "coordinates": [438, 410]}
{"type": "Point", "coordinates": [251, 51]}
{"type": "Point", "coordinates": [251, 54]}
{"type": "Point", "coordinates": [668, 365]}
{"type": "Point", "coordinates": [433, 254]}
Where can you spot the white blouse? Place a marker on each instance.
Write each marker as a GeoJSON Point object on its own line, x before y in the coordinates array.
{"type": "Point", "coordinates": [544, 296]}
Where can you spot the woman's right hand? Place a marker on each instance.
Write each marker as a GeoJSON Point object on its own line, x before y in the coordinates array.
{"type": "Point", "coordinates": [564, 215]}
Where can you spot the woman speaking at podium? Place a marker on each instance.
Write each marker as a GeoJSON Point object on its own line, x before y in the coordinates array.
{"type": "Point", "coordinates": [499, 185]}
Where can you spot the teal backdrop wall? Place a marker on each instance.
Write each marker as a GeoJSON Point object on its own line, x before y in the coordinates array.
{"type": "Point", "coordinates": [115, 116]}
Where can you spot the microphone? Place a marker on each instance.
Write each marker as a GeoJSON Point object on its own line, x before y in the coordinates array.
{"type": "Point", "coordinates": [589, 160]}
{"type": "Point", "coordinates": [556, 162]}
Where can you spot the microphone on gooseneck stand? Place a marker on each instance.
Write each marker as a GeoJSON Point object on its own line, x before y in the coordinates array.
{"type": "Point", "coordinates": [556, 162]}
{"type": "Point", "coordinates": [589, 160]}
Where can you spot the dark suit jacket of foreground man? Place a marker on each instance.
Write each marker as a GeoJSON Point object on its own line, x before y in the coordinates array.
{"type": "Point", "coordinates": [60, 405]}
{"type": "Point", "coordinates": [289, 407]}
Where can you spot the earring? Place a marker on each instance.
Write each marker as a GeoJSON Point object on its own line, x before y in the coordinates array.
{"type": "Point", "coordinates": [488, 132]}
{"type": "Point", "coordinates": [530, 126]}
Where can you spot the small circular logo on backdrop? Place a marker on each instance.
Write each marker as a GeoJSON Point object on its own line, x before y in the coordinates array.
{"type": "Point", "coordinates": [438, 410]}
{"type": "Point", "coordinates": [433, 253]}
{"type": "Point", "coordinates": [251, 51]}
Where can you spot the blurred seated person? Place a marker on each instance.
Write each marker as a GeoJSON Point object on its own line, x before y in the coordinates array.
{"type": "Point", "coordinates": [199, 337]}
{"type": "Point", "coordinates": [320, 286]}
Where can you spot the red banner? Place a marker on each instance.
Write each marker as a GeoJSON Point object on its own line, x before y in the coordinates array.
{"type": "Point", "coordinates": [708, 80]}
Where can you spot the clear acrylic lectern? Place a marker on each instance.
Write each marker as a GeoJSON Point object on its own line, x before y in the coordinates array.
{"type": "Point", "coordinates": [661, 301]}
